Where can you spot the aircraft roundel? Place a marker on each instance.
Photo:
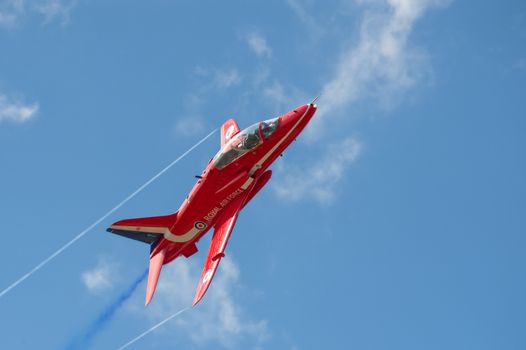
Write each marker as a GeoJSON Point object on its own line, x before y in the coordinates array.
{"type": "Point", "coordinates": [200, 225]}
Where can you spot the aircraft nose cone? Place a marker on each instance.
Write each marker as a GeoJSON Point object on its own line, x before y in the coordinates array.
{"type": "Point", "coordinates": [301, 110]}
{"type": "Point", "coordinates": [289, 119]}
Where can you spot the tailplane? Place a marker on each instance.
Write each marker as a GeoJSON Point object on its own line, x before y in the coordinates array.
{"type": "Point", "coordinates": [148, 230]}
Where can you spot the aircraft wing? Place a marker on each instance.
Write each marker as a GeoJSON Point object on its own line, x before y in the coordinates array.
{"type": "Point", "coordinates": [223, 229]}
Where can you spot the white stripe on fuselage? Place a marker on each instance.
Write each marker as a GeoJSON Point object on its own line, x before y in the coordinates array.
{"type": "Point", "coordinates": [194, 231]}
{"type": "Point", "coordinates": [247, 183]}
{"type": "Point", "coordinates": [182, 238]}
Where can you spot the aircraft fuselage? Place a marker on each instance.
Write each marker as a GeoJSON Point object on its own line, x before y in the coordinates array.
{"type": "Point", "coordinates": [230, 180]}
{"type": "Point", "coordinates": [217, 188]}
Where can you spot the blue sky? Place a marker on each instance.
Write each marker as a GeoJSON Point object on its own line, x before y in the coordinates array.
{"type": "Point", "coordinates": [397, 221]}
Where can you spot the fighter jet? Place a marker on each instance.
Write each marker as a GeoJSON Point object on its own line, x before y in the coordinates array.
{"type": "Point", "coordinates": [232, 178]}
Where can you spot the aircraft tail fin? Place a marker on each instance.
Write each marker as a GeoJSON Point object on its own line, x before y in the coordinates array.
{"type": "Point", "coordinates": [228, 130]}
{"type": "Point", "coordinates": [156, 263]}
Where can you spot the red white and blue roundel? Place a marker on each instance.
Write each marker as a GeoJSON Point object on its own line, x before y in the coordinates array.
{"type": "Point", "coordinates": [200, 225]}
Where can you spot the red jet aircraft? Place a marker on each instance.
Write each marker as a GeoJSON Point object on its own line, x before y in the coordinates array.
{"type": "Point", "coordinates": [231, 179]}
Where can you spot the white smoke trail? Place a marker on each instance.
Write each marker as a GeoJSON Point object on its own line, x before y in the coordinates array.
{"type": "Point", "coordinates": [153, 328]}
{"type": "Point", "coordinates": [89, 228]}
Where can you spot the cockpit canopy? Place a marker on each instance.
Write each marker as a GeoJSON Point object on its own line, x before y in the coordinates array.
{"type": "Point", "coordinates": [245, 141]}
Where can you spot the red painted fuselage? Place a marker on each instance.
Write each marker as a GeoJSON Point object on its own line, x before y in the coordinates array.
{"type": "Point", "coordinates": [226, 185]}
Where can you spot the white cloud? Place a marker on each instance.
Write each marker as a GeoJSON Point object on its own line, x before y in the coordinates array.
{"type": "Point", "coordinates": [260, 76]}
{"type": "Point", "coordinates": [276, 93]}
{"type": "Point", "coordinates": [380, 67]}
{"type": "Point", "coordinates": [283, 97]}
{"type": "Point", "coordinates": [321, 180]}
{"type": "Point", "coordinates": [15, 111]}
{"type": "Point", "coordinates": [189, 126]}
{"type": "Point", "coordinates": [380, 64]}
{"type": "Point", "coordinates": [55, 10]}
{"type": "Point", "coordinates": [9, 12]}
{"type": "Point", "coordinates": [383, 65]}
{"type": "Point", "coordinates": [12, 11]}
{"type": "Point", "coordinates": [217, 318]}
{"type": "Point", "coordinates": [213, 78]}
{"type": "Point", "coordinates": [300, 10]}
{"type": "Point", "coordinates": [200, 71]}
{"type": "Point", "coordinates": [193, 114]}
{"type": "Point", "coordinates": [227, 78]}
{"type": "Point", "coordinates": [101, 278]}
{"type": "Point", "coordinates": [190, 121]}
{"type": "Point", "coordinates": [7, 19]}
{"type": "Point", "coordinates": [259, 45]}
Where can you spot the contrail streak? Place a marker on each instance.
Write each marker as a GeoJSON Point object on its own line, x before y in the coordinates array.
{"type": "Point", "coordinates": [153, 328]}
{"type": "Point", "coordinates": [84, 341]}
{"type": "Point", "coordinates": [89, 228]}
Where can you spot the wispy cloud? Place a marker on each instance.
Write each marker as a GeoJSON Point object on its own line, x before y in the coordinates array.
{"type": "Point", "coordinates": [189, 126]}
{"type": "Point", "coordinates": [192, 119]}
{"type": "Point", "coordinates": [258, 44]}
{"type": "Point", "coordinates": [12, 110]}
{"type": "Point", "coordinates": [10, 10]}
{"type": "Point", "coordinates": [218, 318]}
{"type": "Point", "coordinates": [215, 78]}
{"type": "Point", "coordinates": [13, 11]}
{"type": "Point", "coordinates": [380, 67]}
{"type": "Point", "coordinates": [320, 181]}
{"type": "Point", "coordinates": [101, 278]}
{"type": "Point", "coordinates": [7, 19]}
{"type": "Point", "coordinates": [55, 10]}
{"type": "Point", "coordinates": [227, 78]}
{"type": "Point", "coordinates": [190, 122]}
{"type": "Point", "coordinates": [301, 11]}
{"type": "Point", "coordinates": [282, 97]}
{"type": "Point", "coordinates": [383, 65]}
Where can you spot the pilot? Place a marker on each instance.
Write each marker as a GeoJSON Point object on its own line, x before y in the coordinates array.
{"type": "Point", "coordinates": [251, 140]}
